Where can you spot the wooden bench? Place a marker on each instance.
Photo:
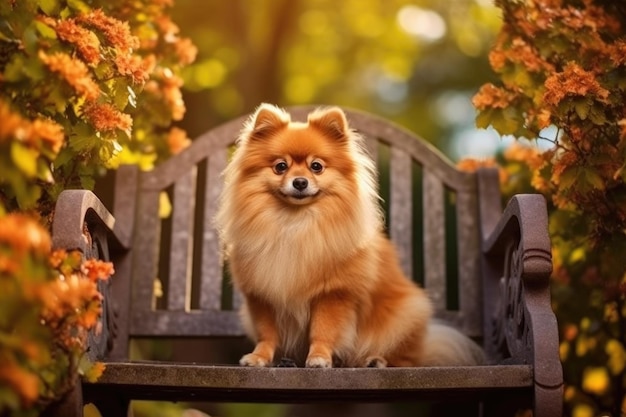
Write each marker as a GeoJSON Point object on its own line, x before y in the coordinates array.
{"type": "Point", "coordinates": [487, 271]}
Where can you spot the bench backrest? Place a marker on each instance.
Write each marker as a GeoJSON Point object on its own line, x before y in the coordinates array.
{"type": "Point", "coordinates": [178, 285]}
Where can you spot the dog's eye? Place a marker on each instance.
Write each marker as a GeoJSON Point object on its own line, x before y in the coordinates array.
{"type": "Point", "coordinates": [280, 167]}
{"type": "Point", "coordinates": [317, 167]}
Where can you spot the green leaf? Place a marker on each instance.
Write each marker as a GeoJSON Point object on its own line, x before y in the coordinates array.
{"type": "Point", "coordinates": [30, 39]}
{"type": "Point", "coordinates": [45, 30]}
{"type": "Point", "coordinates": [582, 108]}
{"type": "Point", "coordinates": [506, 121]}
{"type": "Point", "coordinates": [568, 177]}
{"type": "Point", "coordinates": [594, 179]}
{"type": "Point", "coordinates": [78, 6]}
{"type": "Point", "coordinates": [483, 119]}
{"type": "Point", "coordinates": [64, 157]}
{"type": "Point", "coordinates": [597, 116]}
{"type": "Point", "coordinates": [84, 143]}
{"type": "Point", "coordinates": [13, 71]}
{"type": "Point", "coordinates": [27, 195]}
{"type": "Point", "coordinates": [120, 93]}
{"type": "Point", "coordinates": [49, 7]}
{"type": "Point", "coordinates": [87, 182]}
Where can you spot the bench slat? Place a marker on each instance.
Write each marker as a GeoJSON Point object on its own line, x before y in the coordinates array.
{"type": "Point", "coordinates": [211, 280]}
{"type": "Point", "coordinates": [401, 207]}
{"type": "Point", "coordinates": [146, 243]}
{"type": "Point", "coordinates": [434, 240]}
{"type": "Point", "coordinates": [179, 288]}
{"type": "Point", "coordinates": [194, 323]}
{"type": "Point", "coordinates": [198, 382]}
{"type": "Point", "coordinates": [470, 296]}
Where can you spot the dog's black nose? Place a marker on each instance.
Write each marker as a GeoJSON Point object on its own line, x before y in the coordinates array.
{"type": "Point", "coordinates": [300, 183]}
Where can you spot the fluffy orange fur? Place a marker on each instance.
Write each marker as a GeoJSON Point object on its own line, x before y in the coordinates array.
{"type": "Point", "coordinates": [302, 228]}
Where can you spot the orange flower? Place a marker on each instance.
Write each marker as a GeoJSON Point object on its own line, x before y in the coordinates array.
{"type": "Point", "coordinates": [186, 51]}
{"type": "Point", "coordinates": [618, 53]}
{"type": "Point", "coordinates": [105, 118]}
{"type": "Point", "coordinates": [24, 383]}
{"type": "Point", "coordinates": [544, 118]}
{"type": "Point", "coordinates": [86, 41]}
{"type": "Point", "coordinates": [57, 257]}
{"type": "Point", "coordinates": [97, 270]}
{"type": "Point", "coordinates": [168, 28]}
{"type": "Point", "coordinates": [520, 51]}
{"type": "Point", "coordinates": [73, 71]}
{"type": "Point", "coordinates": [573, 81]}
{"type": "Point", "coordinates": [133, 66]}
{"type": "Point", "coordinates": [24, 234]}
{"type": "Point", "coordinates": [50, 132]}
{"type": "Point", "coordinates": [497, 59]}
{"type": "Point", "coordinates": [13, 125]}
{"type": "Point", "coordinates": [115, 31]}
{"type": "Point", "coordinates": [473, 164]}
{"type": "Point", "coordinates": [490, 96]}
{"type": "Point", "coordinates": [566, 160]}
{"type": "Point", "coordinates": [177, 140]}
{"type": "Point", "coordinates": [68, 293]}
{"type": "Point", "coordinates": [170, 91]}
{"type": "Point", "coordinates": [528, 154]}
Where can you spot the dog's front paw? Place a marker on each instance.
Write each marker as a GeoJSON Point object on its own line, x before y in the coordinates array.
{"type": "Point", "coordinates": [319, 362]}
{"type": "Point", "coordinates": [252, 359]}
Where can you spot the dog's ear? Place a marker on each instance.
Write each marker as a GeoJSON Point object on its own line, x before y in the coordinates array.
{"type": "Point", "coordinates": [267, 120]}
{"type": "Point", "coordinates": [331, 121]}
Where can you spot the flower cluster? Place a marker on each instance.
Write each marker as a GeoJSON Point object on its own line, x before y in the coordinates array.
{"type": "Point", "coordinates": [96, 85]}
{"type": "Point", "coordinates": [48, 302]}
{"type": "Point", "coordinates": [84, 86]}
{"type": "Point", "coordinates": [562, 63]}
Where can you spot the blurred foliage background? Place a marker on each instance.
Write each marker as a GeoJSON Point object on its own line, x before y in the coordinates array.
{"type": "Point", "coordinates": [416, 62]}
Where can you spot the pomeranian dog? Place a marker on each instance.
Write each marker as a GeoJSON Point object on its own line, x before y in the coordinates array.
{"type": "Point", "coordinates": [302, 228]}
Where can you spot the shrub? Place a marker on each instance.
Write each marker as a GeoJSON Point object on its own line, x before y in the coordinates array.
{"type": "Point", "coordinates": [562, 63]}
{"type": "Point", "coordinates": [84, 86]}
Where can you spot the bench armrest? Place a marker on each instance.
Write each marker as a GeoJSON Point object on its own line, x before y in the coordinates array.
{"type": "Point", "coordinates": [520, 326]}
{"type": "Point", "coordinates": [81, 222]}
{"type": "Point", "coordinates": [79, 211]}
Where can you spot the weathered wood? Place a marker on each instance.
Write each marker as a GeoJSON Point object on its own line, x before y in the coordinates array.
{"type": "Point", "coordinates": [503, 263]}
{"type": "Point", "coordinates": [469, 285]}
{"type": "Point", "coordinates": [191, 381]}
{"type": "Point", "coordinates": [211, 279]}
{"type": "Point", "coordinates": [434, 240]}
{"type": "Point", "coordinates": [179, 286]}
{"type": "Point", "coordinates": [401, 208]}
{"type": "Point", "coordinates": [146, 249]}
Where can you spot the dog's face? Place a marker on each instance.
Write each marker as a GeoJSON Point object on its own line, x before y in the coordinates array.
{"type": "Point", "coordinates": [299, 163]}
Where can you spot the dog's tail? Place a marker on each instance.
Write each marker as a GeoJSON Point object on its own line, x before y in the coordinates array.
{"type": "Point", "coordinates": [446, 346]}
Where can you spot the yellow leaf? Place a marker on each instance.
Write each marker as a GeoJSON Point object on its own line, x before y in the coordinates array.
{"type": "Point", "coordinates": [582, 410]}
{"type": "Point", "coordinates": [564, 350]}
{"type": "Point", "coordinates": [617, 356]}
{"type": "Point", "coordinates": [595, 380]}
{"type": "Point", "coordinates": [24, 158]}
{"type": "Point", "coordinates": [93, 372]}
{"type": "Point", "coordinates": [165, 206]}
{"type": "Point", "coordinates": [577, 254]}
